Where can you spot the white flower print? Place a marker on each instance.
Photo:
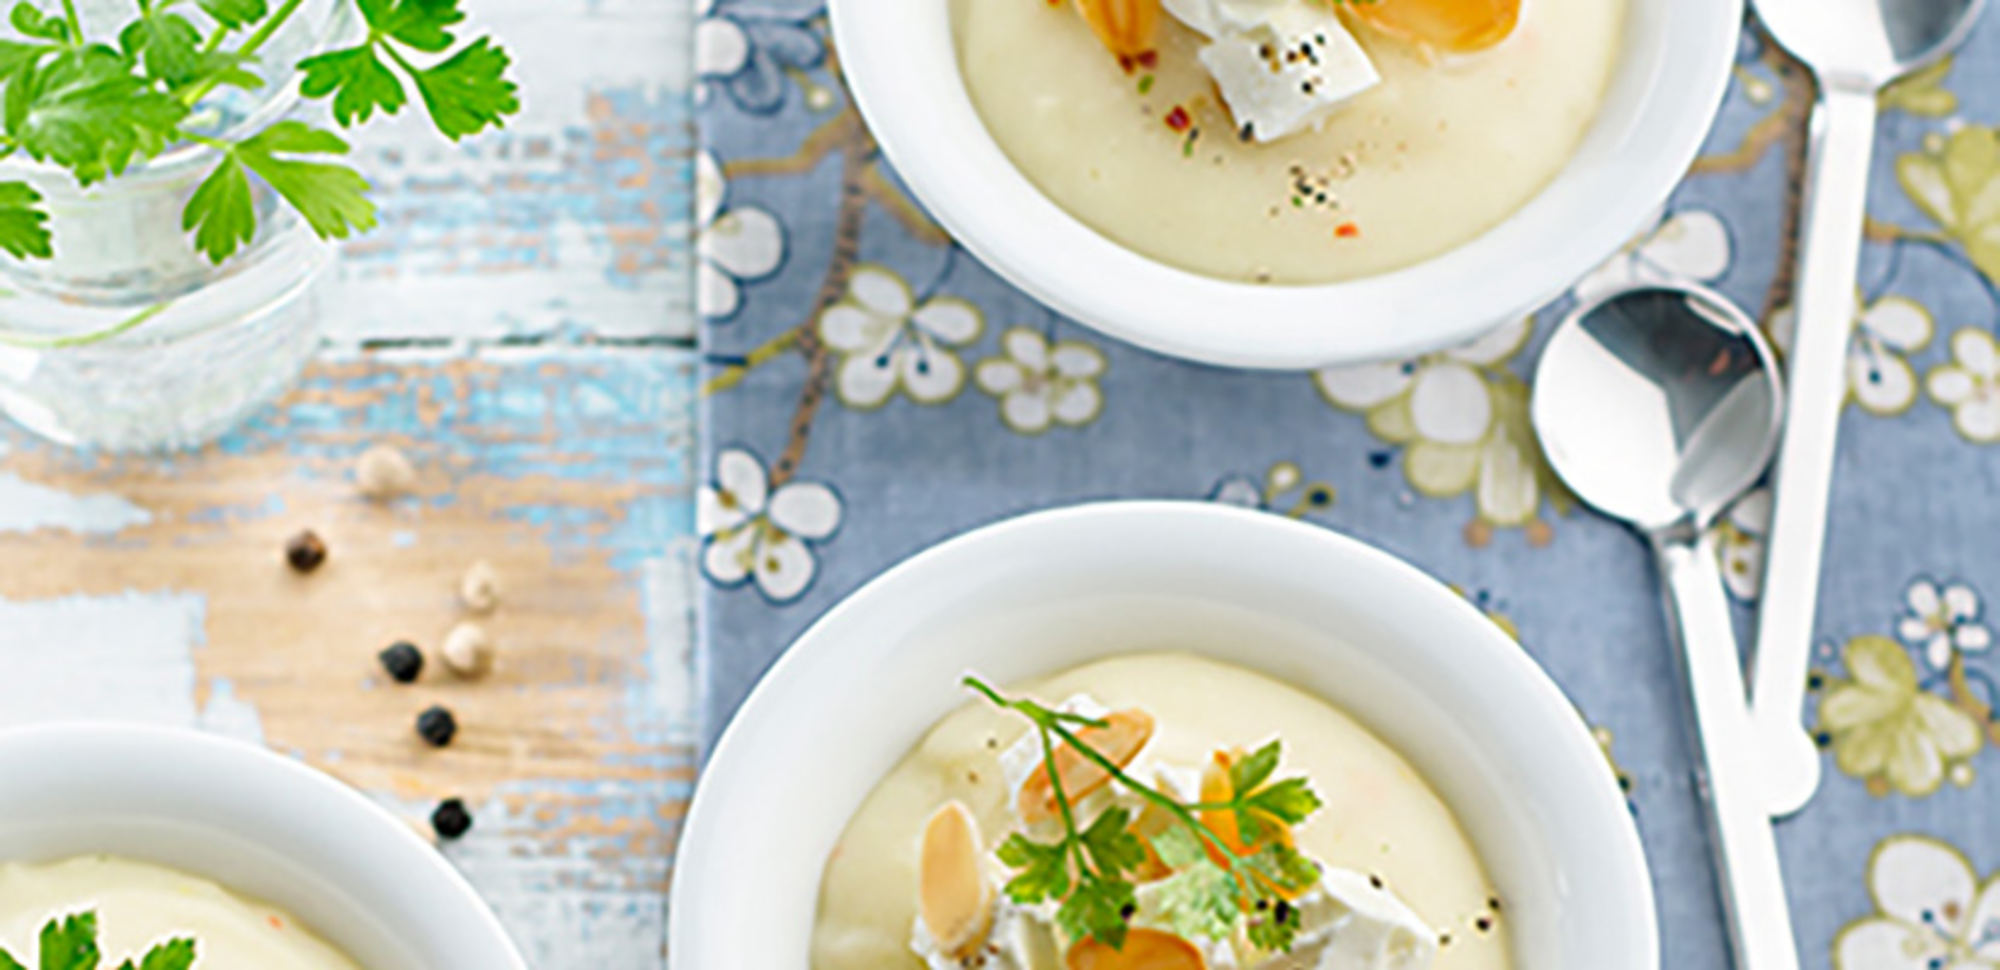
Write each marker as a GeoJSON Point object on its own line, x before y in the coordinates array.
{"type": "Point", "coordinates": [887, 341]}
{"type": "Point", "coordinates": [1931, 912]}
{"type": "Point", "coordinates": [1462, 416]}
{"type": "Point", "coordinates": [1970, 385]}
{"type": "Point", "coordinates": [1688, 246]}
{"type": "Point", "coordinates": [720, 46]}
{"type": "Point", "coordinates": [1039, 384]}
{"type": "Point", "coordinates": [735, 246]}
{"type": "Point", "coordinates": [1739, 544]}
{"type": "Point", "coordinates": [1943, 622]}
{"type": "Point", "coordinates": [750, 532]}
{"type": "Point", "coordinates": [1879, 377]}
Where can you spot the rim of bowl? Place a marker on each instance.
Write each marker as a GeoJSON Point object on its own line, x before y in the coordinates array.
{"type": "Point", "coordinates": [288, 783]}
{"type": "Point", "coordinates": [901, 65]}
{"type": "Point", "coordinates": [760, 720]}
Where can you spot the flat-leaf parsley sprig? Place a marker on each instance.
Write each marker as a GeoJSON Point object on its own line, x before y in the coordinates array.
{"type": "Point", "coordinates": [70, 943]}
{"type": "Point", "coordinates": [1215, 885]}
{"type": "Point", "coordinates": [95, 107]}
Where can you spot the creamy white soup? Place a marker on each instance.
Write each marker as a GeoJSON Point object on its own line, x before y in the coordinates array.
{"type": "Point", "coordinates": [138, 905]}
{"type": "Point", "coordinates": [1380, 835]}
{"type": "Point", "coordinates": [1442, 148]}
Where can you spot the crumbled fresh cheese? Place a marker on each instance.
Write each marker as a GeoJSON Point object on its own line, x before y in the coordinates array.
{"type": "Point", "coordinates": [1020, 938]}
{"type": "Point", "coordinates": [1283, 66]}
{"type": "Point", "coordinates": [1349, 922]}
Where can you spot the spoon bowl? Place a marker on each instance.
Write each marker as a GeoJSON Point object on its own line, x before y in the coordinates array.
{"type": "Point", "coordinates": [1868, 42]}
{"type": "Point", "coordinates": [1658, 405]}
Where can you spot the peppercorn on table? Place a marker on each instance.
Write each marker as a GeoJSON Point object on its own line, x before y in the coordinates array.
{"type": "Point", "coordinates": [519, 329]}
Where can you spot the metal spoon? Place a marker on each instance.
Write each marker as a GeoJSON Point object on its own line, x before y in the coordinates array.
{"type": "Point", "coordinates": [1854, 48]}
{"type": "Point", "coordinates": [1659, 406]}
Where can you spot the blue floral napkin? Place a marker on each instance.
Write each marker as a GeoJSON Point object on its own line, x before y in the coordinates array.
{"type": "Point", "coordinates": [930, 398]}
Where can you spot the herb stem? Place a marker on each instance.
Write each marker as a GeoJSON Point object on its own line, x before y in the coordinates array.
{"type": "Point", "coordinates": [84, 339]}
{"type": "Point", "coordinates": [75, 22]}
{"type": "Point", "coordinates": [250, 45]}
{"type": "Point", "coordinates": [1070, 838]}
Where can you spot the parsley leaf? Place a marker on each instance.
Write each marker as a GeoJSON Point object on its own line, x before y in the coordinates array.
{"type": "Point", "coordinates": [1112, 848]}
{"type": "Point", "coordinates": [1202, 900]}
{"type": "Point", "coordinates": [70, 943]}
{"type": "Point", "coordinates": [469, 92]}
{"type": "Point", "coordinates": [167, 43]}
{"type": "Point", "coordinates": [86, 111]}
{"type": "Point", "coordinates": [332, 198]}
{"type": "Point", "coordinates": [1179, 847]}
{"type": "Point", "coordinates": [24, 230]}
{"type": "Point", "coordinates": [32, 22]}
{"type": "Point", "coordinates": [7, 962]}
{"type": "Point", "coordinates": [1098, 908]}
{"type": "Point", "coordinates": [1288, 801]}
{"type": "Point", "coordinates": [358, 81]}
{"type": "Point", "coordinates": [171, 955]}
{"type": "Point", "coordinates": [15, 55]}
{"type": "Point", "coordinates": [221, 212]}
{"type": "Point", "coordinates": [422, 24]}
{"type": "Point", "coordinates": [1044, 869]}
{"type": "Point", "coordinates": [1283, 866]}
{"type": "Point", "coordinates": [1245, 774]}
{"type": "Point", "coordinates": [235, 13]}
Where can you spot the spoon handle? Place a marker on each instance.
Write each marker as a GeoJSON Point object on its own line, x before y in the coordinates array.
{"type": "Point", "coordinates": [1836, 191]}
{"type": "Point", "coordinates": [1746, 849]}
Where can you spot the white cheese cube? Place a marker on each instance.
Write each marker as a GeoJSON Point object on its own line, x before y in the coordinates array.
{"type": "Point", "coordinates": [1288, 70]}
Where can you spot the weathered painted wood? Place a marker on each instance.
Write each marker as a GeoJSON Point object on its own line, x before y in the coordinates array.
{"type": "Point", "coordinates": [156, 590]}
{"type": "Point", "coordinates": [575, 218]}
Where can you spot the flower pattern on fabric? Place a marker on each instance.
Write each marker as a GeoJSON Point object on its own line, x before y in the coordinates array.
{"type": "Point", "coordinates": [1955, 180]}
{"type": "Point", "coordinates": [733, 246]}
{"type": "Point", "coordinates": [1922, 93]}
{"type": "Point", "coordinates": [1687, 246]}
{"type": "Point", "coordinates": [1880, 379]}
{"type": "Point", "coordinates": [1885, 729]}
{"type": "Point", "coordinates": [1739, 544]}
{"type": "Point", "coordinates": [1040, 384]}
{"type": "Point", "coordinates": [750, 51]}
{"type": "Point", "coordinates": [1970, 386]}
{"type": "Point", "coordinates": [888, 341]}
{"type": "Point", "coordinates": [751, 532]}
{"type": "Point", "coordinates": [1284, 490]}
{"type": "Point", "coordinates": [1931, 912]}
{"type": "Point", "coordinates": [1943, 622]}
{"type": "Point", "coordinates": [1463, 419]}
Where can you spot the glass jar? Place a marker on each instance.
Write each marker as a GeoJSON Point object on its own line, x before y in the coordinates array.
{"type": "Point", "coordinates": [196, 347]}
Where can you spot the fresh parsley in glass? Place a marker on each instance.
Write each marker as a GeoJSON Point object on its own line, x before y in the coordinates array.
{"type": "Point", "coordinates": [95, 99]}
{"type": "Point", "coordinates": [1219, 880]}
{"type": "Point", "coordinates": [70, 943]}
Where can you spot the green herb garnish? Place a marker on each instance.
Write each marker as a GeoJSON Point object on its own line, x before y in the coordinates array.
{"type": "Point", "coordinates": [97, 107]}
{"type": "Point", "coordinates": [70, 943]}
{"type": "Point", "coordinates": [1090, 869]}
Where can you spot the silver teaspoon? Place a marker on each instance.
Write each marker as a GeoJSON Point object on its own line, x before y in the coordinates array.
{"type": "Point", "coordinates": [1854, 48]}
{"type": "Point", "coordinates": [1659, 406]}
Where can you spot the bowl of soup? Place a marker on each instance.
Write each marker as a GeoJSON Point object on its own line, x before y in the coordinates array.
{"type": "Point", "coordinates": [162, 838]}
{"type": "Point", "coordinates": [1420, 794]}
{"type": "Point", "coordinates": [1289, 183]}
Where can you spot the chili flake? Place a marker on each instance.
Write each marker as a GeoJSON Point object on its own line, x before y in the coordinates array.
{"type": "Point", "coordinates": [1347, 230]}
{"type": "Point", "coordinates": [1179, 119]}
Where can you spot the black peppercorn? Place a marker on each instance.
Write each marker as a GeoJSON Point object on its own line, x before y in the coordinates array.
{"type": "Point", "coordinates": [305, 551]}
{"type": "Point", "coordinates": [451, 820]}
{"type": "Point", "coordinates": [436, 726]}
{"type": "Point", "coordinates": [403, 661]}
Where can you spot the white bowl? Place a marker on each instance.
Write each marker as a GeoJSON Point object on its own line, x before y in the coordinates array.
{"type": "Point", "coordinates": [1407, 657]}
{"type": "Point", "coordinates": [900, 62]}
{"type": "Point", "coordinates": [257, 823]}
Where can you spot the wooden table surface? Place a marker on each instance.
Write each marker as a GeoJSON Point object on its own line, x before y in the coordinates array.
{"type": "Point", "coordinates": [521, 328]}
